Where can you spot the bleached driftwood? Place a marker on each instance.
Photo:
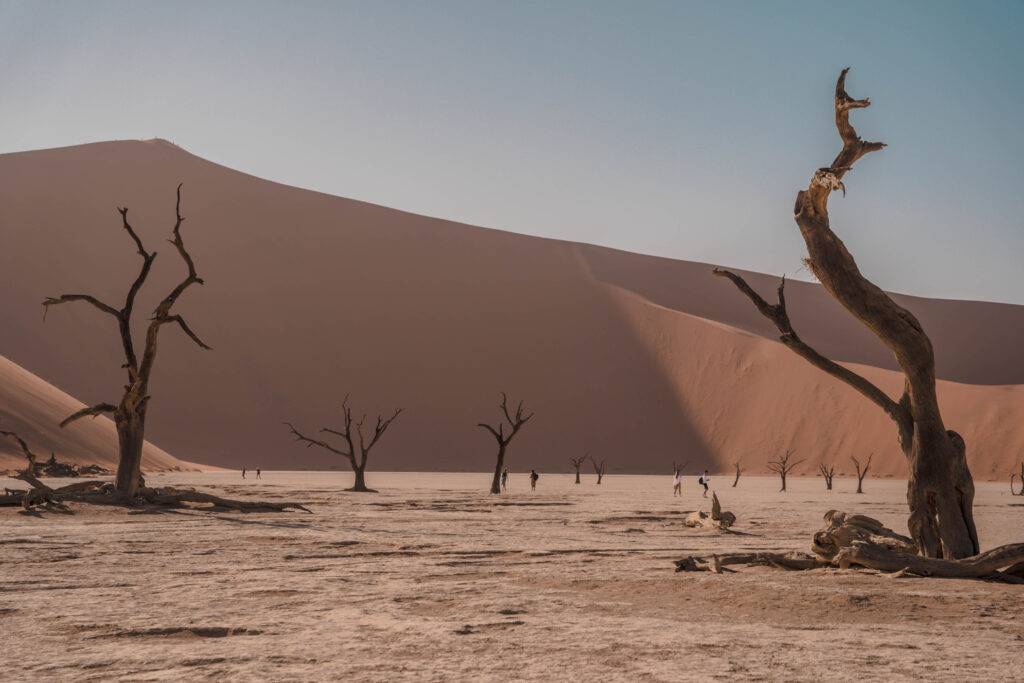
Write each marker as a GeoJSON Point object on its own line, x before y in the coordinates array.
{"type": "Point", "coordinates": [850, 541]}
{"type": "Point", "coordinates": [717, 519]}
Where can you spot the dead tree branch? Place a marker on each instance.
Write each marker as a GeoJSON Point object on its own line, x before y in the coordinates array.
{"type": "Point", "coordinates": [783, 466]}
{"type": "Point", "coordinates": [827, 471]}
{"type": "Point", "coordinates": [941, 489]}
{"type": "Point", "coordinates": [357, 444]}
{"type": "Point", "coordinates": [861, 471]}
{"type": "Point", "coordinates": [515, 421]}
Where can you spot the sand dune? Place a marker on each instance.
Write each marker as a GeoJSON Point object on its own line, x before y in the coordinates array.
{"type": "Point", "coordinates": [34, 409]}
{"type": "Point", "coordinates": [638, 359]}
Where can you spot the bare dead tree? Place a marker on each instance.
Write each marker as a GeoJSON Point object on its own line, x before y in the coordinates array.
{"type": "Point", "coordinates": [598, 469]}
{"type": "Point", "coordinates": [940, 492]}
{"type": "Point", "coordinates": [577, 463]}
{"type": "Point", "coordinates": [861, 471]}
{"type": "Point", "coordinates": [738, 471]}
{"type": "Point", "coordinates": [1021, 493]}
{"type": "Point", "coordinates": [515, 421]}
{"type": "Point", "coordinates": [677, 469]}
{"type": "Point", "coordinates": [356, 445]}
{"type": "Point", "coordinates": [783, 466]}
{"type": "Point", "coordinates": [130, 413]}
{"type": "Point", "coordinates": [827, 471]}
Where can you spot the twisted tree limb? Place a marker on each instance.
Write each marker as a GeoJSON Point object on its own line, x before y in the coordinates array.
{"type": "Point", "coordinates": [940, 493]}
{"type": "Point", "coordinates": [516, 420]}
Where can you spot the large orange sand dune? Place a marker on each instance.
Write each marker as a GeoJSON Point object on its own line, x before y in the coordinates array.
{"type": "Point", "coordinates": [638, 359]}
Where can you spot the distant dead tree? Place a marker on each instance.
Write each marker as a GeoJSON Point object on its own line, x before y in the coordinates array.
{"type": "Point", "coordinates": [738, 471]}
{"type": "Point", "coordinates": [861, 471]}
{"type": "Point", "coordinates": [677, 469]}
{"type": "Point", "coordinates": [577, 463]}
{"type": "Point", "coordinates": [130, 413]}
{"type": "Point", "coordinates": [940, 492]}
{"type": "Point", "coordinates": [515, 421]}
{"type": "Point", "coordinates": [356, 446]}
{"type": "Point", "coordinates": [783, 466]}
{"type": "Point", "coordinates": [598, 468]}
{"type": "Point", "coordinates": [827, 471]}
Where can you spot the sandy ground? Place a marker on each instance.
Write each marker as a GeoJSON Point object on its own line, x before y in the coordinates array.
{"type": "Point", "coordinates": [432, 579]}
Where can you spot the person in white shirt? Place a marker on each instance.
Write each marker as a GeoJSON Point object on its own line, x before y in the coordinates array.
{"type": "Point", "coordinates": [704, 480]}
{"type": "Point", "coordinates": [677, 483]}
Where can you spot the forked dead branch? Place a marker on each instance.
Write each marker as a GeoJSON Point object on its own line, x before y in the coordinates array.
{"type": "Point", "coordinates": [599, 468]}
{"type": "Point", "coordinates": [828, 472]}
{"type": "Point", "coordinates": [130, 412]}
{"type": "Point", "coordinates": [862, 471]}
{"type": "Point", "coordinates": [940, 492]}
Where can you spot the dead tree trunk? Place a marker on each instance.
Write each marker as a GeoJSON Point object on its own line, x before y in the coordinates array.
{"type": "Point", "coordinates": [783, 466]}
{"type": "Point", "coordinates": [356, 448]}
{"type": "Point", "coordinates": [598, 469]}
{"type": "Point", "coordinates": [577, 463]}
{"type": "Point", "coordinates": [130, 413]}
{"type": "Point", "coordinates": [1021, 493]}
{"type": "Point", "coordinates": [738, 471]}
{"type": "Point", "coordinates": [861, 471]}
{"type": "Point", "coordinates": [940, 492]}
{"type": "Point", "coordinates": [515, 423]}
{"type": "Point", "coordinates": [827, 471]}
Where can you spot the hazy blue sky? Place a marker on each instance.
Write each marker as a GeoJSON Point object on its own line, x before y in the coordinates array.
{"type": "Point", "coordinates": [672, 128]}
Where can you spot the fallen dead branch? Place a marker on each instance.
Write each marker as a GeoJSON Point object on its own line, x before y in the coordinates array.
{"type": "Point", "coordinates": [857, 541]}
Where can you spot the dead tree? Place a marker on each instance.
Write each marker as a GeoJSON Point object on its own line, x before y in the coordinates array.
{"type": "Point", "coordinates": [515, 422]}
{"type": "Point", "coordinates": [940, 492]}
{"type": "Point", "coordinates": [130, 413]}
{"type": "Point", "coordinates": [678, 469]}
{"type": "Point", "coordinates": [738, 471]}
{"type": "Point", "coordinates": [783, 466]}
{"type": "Point", "coordinates": [356, 445]}
{"type": "Point", "coordinates": [598, 469]}
{"type": "Point", "coordinates": [861, 471]}
{"type": "Point", "coordinates": [577, 463]}
{"type": "Point", "coordinates": [827, 471]}
{"type": "Point", "coordinates": [1012, 476]}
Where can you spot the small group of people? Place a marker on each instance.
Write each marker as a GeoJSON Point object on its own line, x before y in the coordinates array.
{"type": "Point", "coordinates": [677, 483]}
{"type": "Point", "coordinates": [533, 479]}
{"type": "Point", "coordinates": [259, 473]}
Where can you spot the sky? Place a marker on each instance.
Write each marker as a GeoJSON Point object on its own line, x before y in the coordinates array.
{"type": "Point", "coordinates": [680, 129]}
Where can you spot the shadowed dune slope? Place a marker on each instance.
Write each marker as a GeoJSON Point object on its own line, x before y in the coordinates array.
{"type": "Point", "coordinates": [638, 359]}
{"type": "Point", "coordinates": [34, 409]}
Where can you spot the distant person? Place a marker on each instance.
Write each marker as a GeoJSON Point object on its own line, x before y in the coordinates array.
{"type": "Point", "coordinates": [259, 477]}
{"type": "Point", "coordinates": [504, 479]}
{"type": "Point", "coordinates": [533, 480]}
{"type": "Point", "coordinates": [243, 473]}
{"type": "Point", "coordinates": [677, 484]}
{"type": "Point", "coordinates": [704, 480]}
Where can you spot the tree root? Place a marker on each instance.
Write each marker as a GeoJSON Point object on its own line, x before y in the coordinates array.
{"type": "Point", "coordinates": [41, 496]}
{"type": "Point", "coordinates": [860, 541]}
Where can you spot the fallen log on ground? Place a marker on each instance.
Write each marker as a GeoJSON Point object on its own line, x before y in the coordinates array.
{"type": "Point", "coordinates": [857, 541]}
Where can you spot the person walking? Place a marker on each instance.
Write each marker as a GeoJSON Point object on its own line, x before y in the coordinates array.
{"type": "Point", "coordinates": [258, 473]}
{"type": "Point", "coordinates": [243, 473]}
{"type": "Point", "coordinates": [533, 480]}
{"type": "Point", "coordinates": [704, 480]}
{"type": "Point", "coordinates": [677, 484]}
{"type": "Point", "coordinates": [504, 479]}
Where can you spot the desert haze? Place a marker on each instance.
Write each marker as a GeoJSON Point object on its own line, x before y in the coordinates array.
{"type": "Point", "coordinates": [310, 297]}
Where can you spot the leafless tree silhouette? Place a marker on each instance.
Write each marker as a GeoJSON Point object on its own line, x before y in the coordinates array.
{"type": "Point", "coordinates": [515, 421]}
{"type": "Point", "coordinates": [356, 445]}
